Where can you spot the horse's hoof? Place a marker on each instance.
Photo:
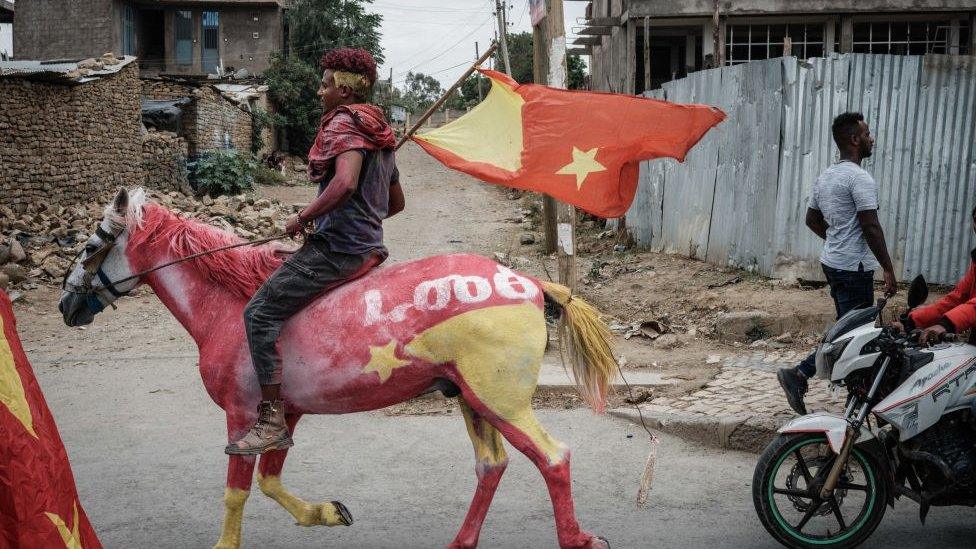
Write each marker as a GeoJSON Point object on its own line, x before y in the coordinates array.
{"type": "Point", "coordinates": [599, 543]}
{"type": "Point", "coordinates": [345, 517]}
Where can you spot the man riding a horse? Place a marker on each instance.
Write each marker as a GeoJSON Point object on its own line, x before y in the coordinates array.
{"type": "Point", "coordinates": [353, 163]}
{"type": "Point", "coordinates": [459, 323]}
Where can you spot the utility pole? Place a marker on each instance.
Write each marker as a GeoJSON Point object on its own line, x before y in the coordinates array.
{"type": "Point", "coordinates": [477, 55]}
{"type": "Point", "coordinates": [549, 68]}
{"type": "Point", "coordinates": [503, 33]}
{"type": "Point", "coordinates": [717, 38]}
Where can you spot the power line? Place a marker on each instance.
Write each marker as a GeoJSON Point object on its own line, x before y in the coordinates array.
{"type": "Point", "coordinates": [525, 9]}
{"type": "Point", "coordinates": [436, 72]}
{"type": "Point", "coordinates": [449, 48]}
{"type": "Point", "coordinates": [414, 8]}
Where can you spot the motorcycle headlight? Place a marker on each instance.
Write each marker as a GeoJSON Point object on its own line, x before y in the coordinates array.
{"type": "Point", "coordinates": [827, 355]}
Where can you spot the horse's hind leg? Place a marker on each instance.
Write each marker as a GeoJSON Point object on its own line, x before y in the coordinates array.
{"type": "Point", "coordinates": [524, 432]}
{"type": "Point", "coordinates": [490, 463]}
{"type": "Point", "coordinates": [306, 514]}
{"type": "Point", "coordinates": [497, 353]}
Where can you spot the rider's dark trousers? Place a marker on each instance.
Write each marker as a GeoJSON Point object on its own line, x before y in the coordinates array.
{"type": "Point", "coordinates": [850, 290]}
{"type": "Point", "coordinates": [313, 269]}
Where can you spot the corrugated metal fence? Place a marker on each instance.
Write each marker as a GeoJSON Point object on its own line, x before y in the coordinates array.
{"type": "Point", "coordinates": [741, 196]}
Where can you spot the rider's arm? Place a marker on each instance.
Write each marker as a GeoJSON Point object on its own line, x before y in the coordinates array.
{"type": "Point", "coordinates": [956, 311]}
{"type": "Point", "coordinates": [397, 201]}
{"type": "Point", "coordinates": [817, 223]}
{"type": "Point", "coordinates": [341, 187]}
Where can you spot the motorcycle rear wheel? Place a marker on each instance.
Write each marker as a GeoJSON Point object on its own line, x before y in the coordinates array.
{"type": "Point", "coordinates": [787, 482]}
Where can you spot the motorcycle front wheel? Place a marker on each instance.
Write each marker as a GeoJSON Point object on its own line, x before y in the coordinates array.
{"type": "Point", "coordinates": [786, 492]}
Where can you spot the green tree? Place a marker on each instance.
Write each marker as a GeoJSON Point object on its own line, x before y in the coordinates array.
{"type": "Point", "coordinates": [466, 95]}
{"type": "Point", "coordinates": [420, 91]}
{"type": "Point", "coordinates": [520, 54]}
{"type": "Point", "coordinates": [316, 26]}
{"type": "Point", "coordinates": [292, 88]}
{"type": "Point", "coordinates": [577, 72]}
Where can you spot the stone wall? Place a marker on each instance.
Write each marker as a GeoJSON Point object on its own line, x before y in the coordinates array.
{"type": "Point", "coordinates": [65, 29]}
{"type": "Point", "coordinates": [211, 121]}
{"type": "Point", "coordinates": [62, 143]}
{"type": "Point", "coordinates": [164, 162]}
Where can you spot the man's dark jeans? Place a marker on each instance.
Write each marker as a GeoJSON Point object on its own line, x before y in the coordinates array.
{"type": "Point", "coordinates": [313, 269]}
{"type": "Point", "coordinates": [850, 290]}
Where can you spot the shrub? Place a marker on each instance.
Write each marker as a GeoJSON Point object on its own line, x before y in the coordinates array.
{"type": "Point", "coordinates": [223, 171]}
{"type": "Point", "coordinates": [260, 121]}
{"type": "Point", "coordinates": [264, 175]}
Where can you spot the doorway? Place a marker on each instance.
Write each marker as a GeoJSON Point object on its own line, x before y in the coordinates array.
{"type": "Point", "coordinates": [152, 40]}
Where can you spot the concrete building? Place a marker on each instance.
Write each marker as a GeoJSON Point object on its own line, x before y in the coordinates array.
{"type": "Point", "coordinates": [190, 37]}
{"type": "Point", "coordinates": [6, 28]}
{"type": "Point", "coordinates": [637, 45]}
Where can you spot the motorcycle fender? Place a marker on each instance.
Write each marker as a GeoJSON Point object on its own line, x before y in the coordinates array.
{"type": "Point", "coordinates": [833, 426]}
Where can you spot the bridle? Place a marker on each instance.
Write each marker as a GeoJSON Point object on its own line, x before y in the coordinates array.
{"type": "Point", "coordinates": [93, 267]}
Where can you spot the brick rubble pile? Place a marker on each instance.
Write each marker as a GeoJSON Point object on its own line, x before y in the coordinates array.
{"type": "Point", "coordinates": [37, 246]}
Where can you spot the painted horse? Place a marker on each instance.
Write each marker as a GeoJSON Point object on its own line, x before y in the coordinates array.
{"type": "Point", "coordinates": [462, 324]}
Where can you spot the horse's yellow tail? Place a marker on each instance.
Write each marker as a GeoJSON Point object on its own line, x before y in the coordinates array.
{"type": "Point", "coordinates": [587, 340]}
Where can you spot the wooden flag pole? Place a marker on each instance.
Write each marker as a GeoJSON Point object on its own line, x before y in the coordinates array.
{"type": "Point", "coordinates": [484, 57]}
{"type": "Point", "coordinates": [559, 219]}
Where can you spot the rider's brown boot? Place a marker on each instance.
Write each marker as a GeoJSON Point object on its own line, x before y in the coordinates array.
{"type": "Point", "coordinates": [270, 432]}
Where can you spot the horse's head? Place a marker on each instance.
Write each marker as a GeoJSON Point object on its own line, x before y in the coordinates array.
{"type": "Point", "coordinates": [101, 272]}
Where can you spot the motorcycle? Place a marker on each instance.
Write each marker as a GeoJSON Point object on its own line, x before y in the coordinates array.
{"type": "Point", "coordinates": [825, 481]}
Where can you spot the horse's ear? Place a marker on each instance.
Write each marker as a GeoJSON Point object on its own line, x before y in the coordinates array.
{"type": "Point", "coordinates": [121, 204]}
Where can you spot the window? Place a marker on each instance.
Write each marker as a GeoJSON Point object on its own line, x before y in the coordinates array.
{"type": "Point", "coordinates": [210, 54]}
{"type": "Point", "coordinates": [129, 31]}
{"type": "Point", "coordinates": [744, 43]}
{"type": "Point", "coordinates": [183, 28]}
{"type": "Point", "coordinates": [904, 38]}
{"type": "Point", "coordinates": [965, 40]}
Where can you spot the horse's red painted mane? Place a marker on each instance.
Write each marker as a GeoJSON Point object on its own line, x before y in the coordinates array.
{"type": "Point", "coordinates": [240, 270]}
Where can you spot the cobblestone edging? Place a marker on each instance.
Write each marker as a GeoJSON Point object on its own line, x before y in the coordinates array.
{"type": "Point", "coordinates": [740, 409]}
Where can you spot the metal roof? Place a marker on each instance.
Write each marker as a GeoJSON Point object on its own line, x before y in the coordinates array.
{"type": "Point", "coordinates": [57, 70]}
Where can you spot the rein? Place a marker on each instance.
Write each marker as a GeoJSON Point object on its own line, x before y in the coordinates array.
{"type": "Point", "coordinates": [259, 241]}
{"type": "Point", "coordinates": [109, 285]}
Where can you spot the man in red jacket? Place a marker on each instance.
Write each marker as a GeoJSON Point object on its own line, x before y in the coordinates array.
{"type": "Point", "coordinates": [953, 313]}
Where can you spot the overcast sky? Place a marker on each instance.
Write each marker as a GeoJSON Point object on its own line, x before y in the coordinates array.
{"type": "Point", "coordinates": [437, 37]}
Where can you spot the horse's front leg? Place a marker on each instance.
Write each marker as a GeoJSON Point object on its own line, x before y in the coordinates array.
{"type": "Point", "coordinates": [306, 514]}
{"type": "Point", "coordinates": [240, 470]}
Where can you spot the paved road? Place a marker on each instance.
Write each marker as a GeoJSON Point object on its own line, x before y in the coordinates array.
{"type": "Point", "coordinates": [145, 443]}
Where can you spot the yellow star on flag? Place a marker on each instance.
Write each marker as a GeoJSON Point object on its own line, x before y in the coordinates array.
{"type": "Point", "coordinates": [383, 360]}
{"type": "Point", "coordinates": [71, 538]}
{"type": "Point", "coordinates": [11, 389]}
{"type": "Point", "coordinates": [583, 164]}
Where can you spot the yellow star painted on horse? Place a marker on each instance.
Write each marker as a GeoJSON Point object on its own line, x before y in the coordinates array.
{"type": "Point", "coordinates": [11, 388]}
{"type": "Point", "coordinates": [583, 164]}
{"type": "Point", "coordinates": [71, 538]}
{"type": "Point", "coordinates": [383, 360]}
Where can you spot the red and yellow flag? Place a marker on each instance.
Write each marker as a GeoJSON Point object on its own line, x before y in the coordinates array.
{"type": "Point", "coordinates": [38, 500]}
{"type": "Point", "coordinates": [579, 147]}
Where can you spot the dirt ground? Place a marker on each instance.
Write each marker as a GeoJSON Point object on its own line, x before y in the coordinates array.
{"type": "Point", "coordinates": [449, 212]}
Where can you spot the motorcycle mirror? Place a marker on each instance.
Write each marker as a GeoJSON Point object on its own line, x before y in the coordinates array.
{"type": "Point", "coordinates": [918, 292]}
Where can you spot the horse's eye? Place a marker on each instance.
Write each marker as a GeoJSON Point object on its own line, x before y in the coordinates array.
{"type": "Point", "coordinates": [90, 249]}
